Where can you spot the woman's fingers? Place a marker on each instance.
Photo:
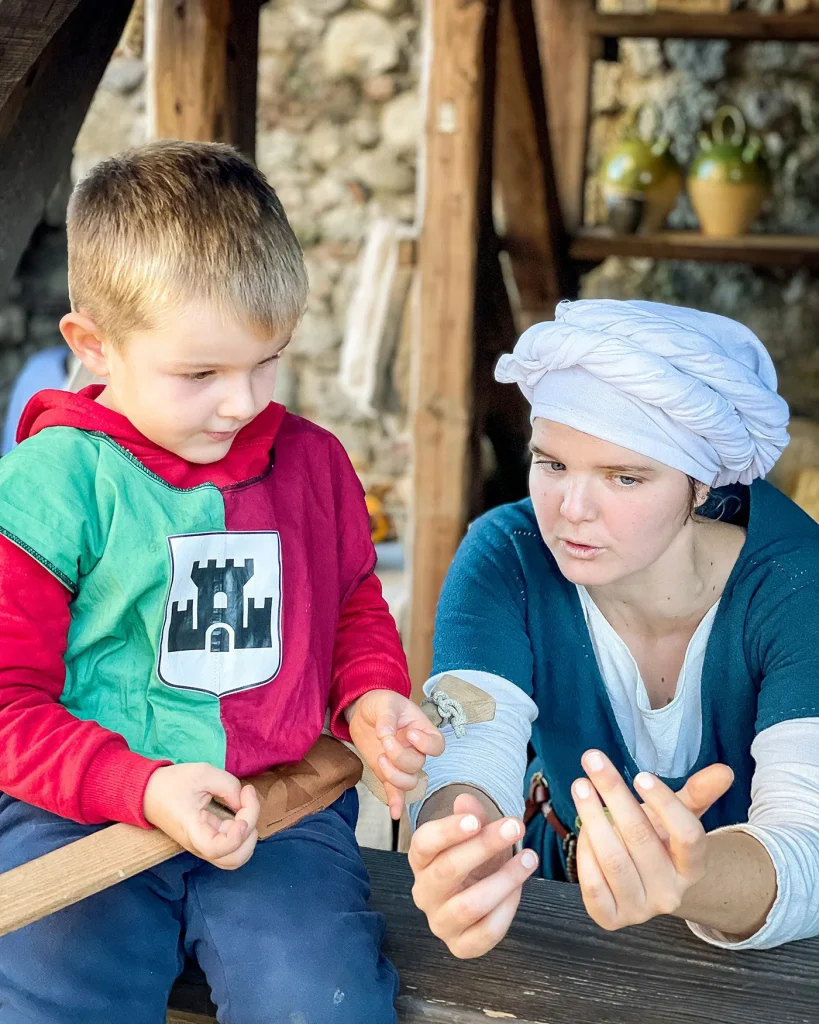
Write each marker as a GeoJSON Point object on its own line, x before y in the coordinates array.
{"type": "Point", "coordinates": [598, 899]}
{"type": "Point", "coordinates": [615, 861]}
{"type": "Point", "coordinates": [685, 833]}
{"type": "Point", "coordinates": [486, 934]}
{"type": "Point", "coordinates": [443, 853]}
{"type": "Point", "coordinates": [706, 787]}
{"type": "Point", "coordinates": [638, 835]}
{"type": "Point", "coordinates": [473, 904]}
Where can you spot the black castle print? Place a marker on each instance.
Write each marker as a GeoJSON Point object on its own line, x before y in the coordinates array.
{"type": "Point", "coordinates": [227, 582]}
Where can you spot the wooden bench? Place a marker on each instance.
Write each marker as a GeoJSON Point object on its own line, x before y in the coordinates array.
{"type": "Point", "coordinates": [557, 967]}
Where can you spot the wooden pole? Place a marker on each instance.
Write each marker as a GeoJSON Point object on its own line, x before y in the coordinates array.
{"type": "Point", "coordinates": [534, 235]}
{"type": "Point", "coordinates": [440, 400]}
{"type": "Point", "coordinates": [203, 60]}
{"type": "Point", "coordinates": [567, 51]}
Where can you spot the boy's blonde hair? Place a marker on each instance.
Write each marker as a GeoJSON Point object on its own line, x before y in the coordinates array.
{"type": "Point", "coordinates": [173, 222]}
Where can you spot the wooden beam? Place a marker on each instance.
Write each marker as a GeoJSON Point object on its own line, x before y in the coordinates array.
{"type": "Point", "coordinates": [738, 25]}
{"type": "Point", "coordinates": [50, 103]}
{"type": "Point", "coordinates": [203, 60]}
{"type": "Point", "coordinates": [567, 52]}
{"type": "Point", "coordinates": [440, 400]}
{"type": "Point", "coordinates": [534, 236]}
{"type": "Point", "coordinates": [26, 29]}
{"type": "Point", "coordinates": [593, 245]}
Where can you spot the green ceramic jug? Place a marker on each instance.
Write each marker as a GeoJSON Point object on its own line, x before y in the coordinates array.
{"type": "Point", "coordinates": [729, 178]}
{"type": "Point", "coordinates": [640, 179]}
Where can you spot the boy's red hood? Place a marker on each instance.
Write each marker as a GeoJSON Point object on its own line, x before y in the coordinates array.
{"type": "Point", "coordinates": [249, 455]}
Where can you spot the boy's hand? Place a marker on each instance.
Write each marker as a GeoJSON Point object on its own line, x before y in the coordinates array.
{"type": "Point", "coordinates": [176, 800]}
{"type": "Point", "coordinates": [394, 737]}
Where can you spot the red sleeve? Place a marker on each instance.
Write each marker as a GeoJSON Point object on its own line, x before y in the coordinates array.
{"type": "Point", "coordinates": [50, 758]}
{"type": "Point", "coordinates": [367, 655]}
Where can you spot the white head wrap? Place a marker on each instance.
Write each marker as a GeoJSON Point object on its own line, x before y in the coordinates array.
{"type": "Point", "coordinates": [692, 390]}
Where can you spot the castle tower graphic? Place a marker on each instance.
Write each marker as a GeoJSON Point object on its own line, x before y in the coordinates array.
{"type": "Point", "coordinates": [222, 618]}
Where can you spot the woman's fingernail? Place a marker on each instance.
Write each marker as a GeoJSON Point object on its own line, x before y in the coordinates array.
{"type": "Point", "coordinates": [582, 789]}
{"type": "Point", "coordinates": [389, 742]}
{"type": "Point", "coordinates": [528, 859]}
{"type": "Point", "coordinates": [644, 780]}
{"type": "Point", "coordinates": [510, 829]}
{"type": "Point", "coordinates": [413, 737]}
{"type": "Point", "coordinates": [470, 823]}
{"type": "Point", "coordinates": [224, 826]}
{"type": "Point", "coordinates": [594, 761]}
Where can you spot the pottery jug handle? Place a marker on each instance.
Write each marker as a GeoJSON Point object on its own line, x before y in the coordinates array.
{"type": "Point", "coordinates": [734, 115]}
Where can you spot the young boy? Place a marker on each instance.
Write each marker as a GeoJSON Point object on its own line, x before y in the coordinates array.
{"type": "Point", "coordinates": [186, 585]}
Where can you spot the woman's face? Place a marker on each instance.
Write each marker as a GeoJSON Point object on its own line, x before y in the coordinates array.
{"type": "Point", "coordinates": [605, 512]}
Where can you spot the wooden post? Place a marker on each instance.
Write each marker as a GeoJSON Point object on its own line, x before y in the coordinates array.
{"type": "Point", "coordinates": [203, 59]}
{"type": "Point", "coordinates": [440, 401]}
{"type": "Point", "coordinates": [534, 235]}
{"type": "Point", "coordinates": [54, 53]}
{"type": "Point", "coordinates": [567, 51]}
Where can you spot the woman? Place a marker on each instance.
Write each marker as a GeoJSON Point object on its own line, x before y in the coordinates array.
{"type": "Point", "coordinates": [653, 610]}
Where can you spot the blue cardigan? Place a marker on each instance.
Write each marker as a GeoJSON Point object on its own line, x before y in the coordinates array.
{"type": "Point", "coordinates": [507, 609]}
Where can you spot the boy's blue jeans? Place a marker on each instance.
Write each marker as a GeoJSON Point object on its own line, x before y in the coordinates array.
{"type": "Point", "coordinates": [286, 939]}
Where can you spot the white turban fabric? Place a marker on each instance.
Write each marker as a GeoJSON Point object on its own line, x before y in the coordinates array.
{"type": "Point", "coordinates": [692, 390]}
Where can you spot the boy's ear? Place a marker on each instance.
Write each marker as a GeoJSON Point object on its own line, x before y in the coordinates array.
{"type": "Point", "coordinates": [84, 340]}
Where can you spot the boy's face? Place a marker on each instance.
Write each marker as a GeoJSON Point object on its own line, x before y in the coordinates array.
{"type": "Point", "coordinates": [192, 385]}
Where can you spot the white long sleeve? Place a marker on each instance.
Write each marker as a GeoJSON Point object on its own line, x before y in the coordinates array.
{"type": "Point", "coordinates": [784, 817]}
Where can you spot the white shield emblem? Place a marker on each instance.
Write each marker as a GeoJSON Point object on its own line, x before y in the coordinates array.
{"type": "Point", "coordinates": [222, 629]}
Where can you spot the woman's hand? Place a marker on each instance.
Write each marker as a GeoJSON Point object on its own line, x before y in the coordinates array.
{"type": "Point", "coordinates": [394, 737]}
{"type": "Point", "coordinates": [640, 860]}
{"type": "Point", "coordinates": [465, 881]}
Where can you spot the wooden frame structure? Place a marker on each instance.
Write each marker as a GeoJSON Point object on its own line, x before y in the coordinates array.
{"type": "Point", "coordinates": [494, 89]}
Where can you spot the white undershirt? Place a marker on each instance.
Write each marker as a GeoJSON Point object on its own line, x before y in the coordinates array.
{"type": "Point", "coordinates": [665, 741]}
{"type": "Point", "coordinates": [784, 813]}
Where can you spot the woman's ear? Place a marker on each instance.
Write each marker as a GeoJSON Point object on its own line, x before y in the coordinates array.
{"type": "Point", "coordinates": [701, 492]}
{"type": "Point", "coordinates": [85, 341]}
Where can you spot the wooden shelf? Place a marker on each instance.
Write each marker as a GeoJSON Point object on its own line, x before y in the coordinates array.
{"type": "Point", "coordinates": [739, 25]}
{"type": "Point", "coordinates": [592, 245]}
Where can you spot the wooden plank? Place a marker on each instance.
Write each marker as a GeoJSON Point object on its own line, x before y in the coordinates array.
{"type": "Point", "coordinates": [441, 374]}
{"type": "Point", "coordinates": [557, 967]}
{"type": "Point", "coordinates": [567, 52]}
{"type": "Point", "coordinates": [36, 149]}
{"type": "Point", "coordinates": [740, 25]}
{"type": "Point", "coordinates": [26, 29]}
{"type": "Point", "coordinates": [534, 236]}
{"type": "Point", "coordinates": [595, 244]}
{"type": "Point", "coordinates": [203, 59]}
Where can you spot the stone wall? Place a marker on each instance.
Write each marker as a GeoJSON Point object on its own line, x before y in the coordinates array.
{"type": "Point", "coordinates": [338, 124]}
{"type": "Point", "coordinates": [776, 87]}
